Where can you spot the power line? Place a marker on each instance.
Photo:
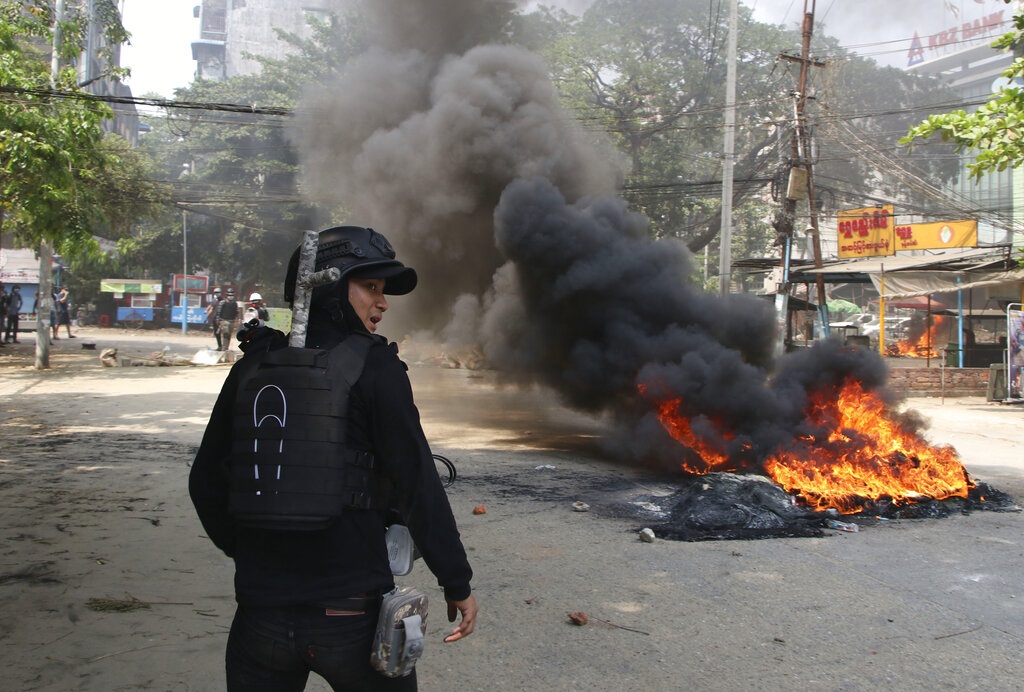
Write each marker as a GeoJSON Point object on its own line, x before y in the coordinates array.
{"type": "Point", "coordinates": [136, 101]}
{"type": "Point", "coordinates": [277, 112]}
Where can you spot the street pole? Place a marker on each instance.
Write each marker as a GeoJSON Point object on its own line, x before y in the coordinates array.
{"type": "Point", "coordinates": [806, 146]}
{"type": "Point", "coordinates": [801, 185]}
{"type": "Point", "coordinates": [728, 156]}
{"type": "Point", "coordinates": [43, 292]}
{"type": "Point", "coordinates": [184, 272]}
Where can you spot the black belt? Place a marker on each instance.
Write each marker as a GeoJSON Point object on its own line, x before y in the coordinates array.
{"type": "Point", "coordinates": [359, 602]}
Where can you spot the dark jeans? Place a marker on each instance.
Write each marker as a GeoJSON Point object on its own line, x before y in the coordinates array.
{"type": "Point", "coordinates": [274, 650]}
{"type": "Point", "coordinates": [13, 322]}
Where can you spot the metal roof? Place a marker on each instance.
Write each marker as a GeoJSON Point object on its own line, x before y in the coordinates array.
{"type": "Point", "coordinates": [941, 260]}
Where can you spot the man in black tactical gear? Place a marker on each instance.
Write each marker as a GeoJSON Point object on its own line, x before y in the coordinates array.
{"type": "Point", "coordinates": [227, 314]}
{"type": "Point", "coordinates": [14, 305]}
{"type": "Point", "coordinates": [211, 316]}
{"type": "Point", "coordinates": [4, 300]}
{"type": "Point", "coordinates": [308, 600]}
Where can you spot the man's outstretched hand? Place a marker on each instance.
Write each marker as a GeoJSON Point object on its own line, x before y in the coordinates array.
{"type": "Point", "coordinates": [468, 608]}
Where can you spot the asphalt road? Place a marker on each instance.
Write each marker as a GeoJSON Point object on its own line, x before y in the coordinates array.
{"type": "Point", "coordinates": [909, 604]}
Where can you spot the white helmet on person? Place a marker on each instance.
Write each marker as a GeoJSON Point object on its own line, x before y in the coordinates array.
{"type": "Point", "coordinates": [253, 297]}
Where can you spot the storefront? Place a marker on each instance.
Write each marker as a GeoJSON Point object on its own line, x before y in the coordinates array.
{"type": "Point", "coordinates": [195, 288]}
{"type": "Point", "coordinates": [138, 302]}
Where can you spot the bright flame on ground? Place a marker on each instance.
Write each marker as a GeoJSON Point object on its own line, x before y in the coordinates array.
{"type": "Point", "coordinates": [924, 345]}
{"type": "Point", "coordinates": [710, 457]}
{"type": "Point", "coordinates": [858, 456]}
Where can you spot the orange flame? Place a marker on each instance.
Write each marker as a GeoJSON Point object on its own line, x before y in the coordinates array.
{"type": "Point", "coordinates": [867, 456]}
{"type": "Point", "coordinates": [924, 345]}
{"type": "Point", "coordinates": [710, 457]}
{"type": "Point", "coordinates": [860, 456]}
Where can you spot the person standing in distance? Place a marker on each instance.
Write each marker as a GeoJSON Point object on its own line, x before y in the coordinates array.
{"type": "Point", "coordinates": [14, 305]}
{"type": "Point", "coordinates": [211, 316]}
{"type": "Point", "coordinates": [255, 310]}
{"type": "Point", "coordinates": [62, 304]}
{"type": "Point", "coordinates": [227, 313]}
{"type": "Point", "coordinates": [4, 300]}
{"type": "Point", "coordinates": [310, 600]}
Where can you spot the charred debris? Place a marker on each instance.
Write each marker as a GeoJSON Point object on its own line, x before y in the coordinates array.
{"type": "Point", "coordinates": [727, 506]}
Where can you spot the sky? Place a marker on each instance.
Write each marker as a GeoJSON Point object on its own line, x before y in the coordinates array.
{"type": "Point", "coordinates": [160, 54]}
{"type": "Point", "coordinates": [881, 29]}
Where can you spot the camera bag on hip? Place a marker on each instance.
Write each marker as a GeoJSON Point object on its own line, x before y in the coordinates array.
{"type": "Point", "coordinates": [398, 642]}
{"type": "Point", "coordinates": [290, 466]}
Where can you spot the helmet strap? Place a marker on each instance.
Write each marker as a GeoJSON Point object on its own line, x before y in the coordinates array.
{"type": "Point", "coordinates": [339, 310]}
{"type": "Point", "coordinates": [335, 310]}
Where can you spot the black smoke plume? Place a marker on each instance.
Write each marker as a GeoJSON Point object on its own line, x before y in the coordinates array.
{"type": "Point", "coordinates": [467, 162]}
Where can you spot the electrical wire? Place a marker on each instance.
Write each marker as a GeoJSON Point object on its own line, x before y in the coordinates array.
{"type": "Point", "coordinates": [272, 117]}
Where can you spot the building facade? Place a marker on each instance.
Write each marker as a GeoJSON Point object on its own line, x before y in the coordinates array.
{"type": "Point", "coordinates": [91, 66]}
{"type": "Point", "coordinates": [232, 30]}
{"type": "Point", "coordinates": [962, 57]}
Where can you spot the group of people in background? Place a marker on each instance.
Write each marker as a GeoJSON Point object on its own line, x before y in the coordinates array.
{"type": "Point", "coordinates": [12, 302]}
{"type": "Point", "coordinates": [224, 316]}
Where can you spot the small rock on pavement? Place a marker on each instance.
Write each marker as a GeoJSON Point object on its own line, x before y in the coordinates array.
{"type": "Point", "coordinates": [647, 535]}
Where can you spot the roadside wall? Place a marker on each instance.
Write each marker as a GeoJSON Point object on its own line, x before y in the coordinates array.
{"type": "Point", "coordinates": [940, 381]}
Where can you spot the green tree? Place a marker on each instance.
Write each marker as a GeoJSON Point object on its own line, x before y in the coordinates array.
{"type": "Point", "coordinates": [992, 131]}
{"type": "Point", "coordinates": [652, 73]}
{"type": "Point", "coordinates": [234, 173]}
{"type": "Point", "coordinates": [232, 177]}
{"type": "Point", "coordinates": [241, 183]}
{"type": "Point", "coordinates": [61, 178]}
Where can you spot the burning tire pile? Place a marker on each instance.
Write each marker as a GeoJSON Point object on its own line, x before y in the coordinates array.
{"type": "Point", "coordinates": [726, 506]}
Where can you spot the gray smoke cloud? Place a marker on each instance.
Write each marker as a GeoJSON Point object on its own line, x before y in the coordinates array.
{"type": "Point", "coordinates": [593, 308]}
{"type": "Point", "coordinates": [462, 155]}
{"type": "Point", "coordinates": [420, 144]}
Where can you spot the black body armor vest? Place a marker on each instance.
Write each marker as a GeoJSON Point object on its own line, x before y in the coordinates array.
{"type": "Point", "coordinates": [290, 466]}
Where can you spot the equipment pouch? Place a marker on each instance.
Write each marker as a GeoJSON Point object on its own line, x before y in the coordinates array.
{"type": "Point", "coordinates": [398, 642]}
{"type": "Point", "coordinates": [401, 550]}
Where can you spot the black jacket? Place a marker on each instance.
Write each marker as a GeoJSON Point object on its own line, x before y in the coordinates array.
{"type": "Point", "coordinates": [275, 568]}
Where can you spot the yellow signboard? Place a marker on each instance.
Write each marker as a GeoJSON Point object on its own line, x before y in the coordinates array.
{"type": "Point", "coordinates": [866, 232]}
{"type": "Point", "coordinates": [937, 235]}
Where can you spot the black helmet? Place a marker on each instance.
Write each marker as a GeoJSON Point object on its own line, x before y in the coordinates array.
{"type": "Point", "coordinates": [358, 252]}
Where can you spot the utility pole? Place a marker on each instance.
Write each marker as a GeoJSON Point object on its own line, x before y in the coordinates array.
{"type": "Point", "coordinates": [801, 178]}
{"type": "Point", "coordinates": [44, 297]}
{"type": "Point", "coordinates": [728, 156]}
{"type": "Point", "coordinates": [184, 274]}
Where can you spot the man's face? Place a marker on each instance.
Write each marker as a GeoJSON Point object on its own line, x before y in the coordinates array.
{"type": "Point", "coordinates": [367, 299]}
